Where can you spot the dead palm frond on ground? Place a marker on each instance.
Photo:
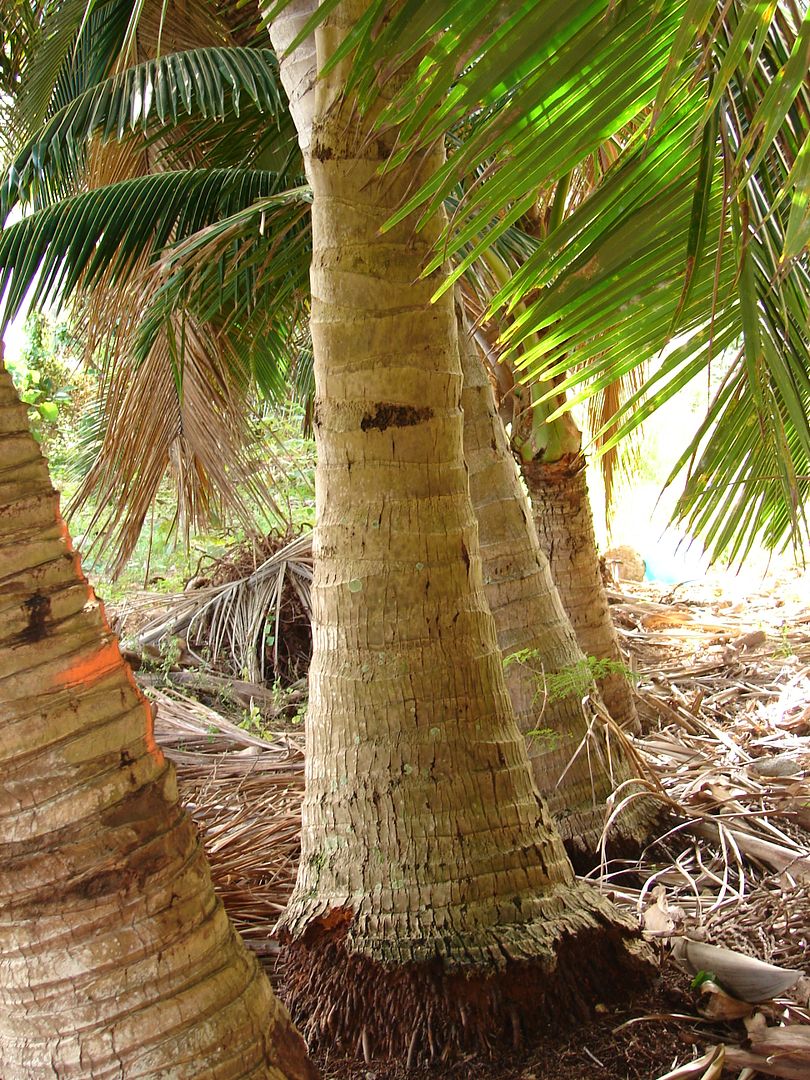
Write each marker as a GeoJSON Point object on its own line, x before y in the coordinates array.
{"type": "Point", "coordinates": [726, 699]}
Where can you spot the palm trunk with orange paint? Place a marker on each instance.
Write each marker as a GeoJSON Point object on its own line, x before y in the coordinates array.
{"type": "Point", "coordinates": [117, 958]}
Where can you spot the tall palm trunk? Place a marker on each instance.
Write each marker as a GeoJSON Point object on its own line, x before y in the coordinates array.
{"type": "Point", "coordinates": [576, 763]}
{"type": "Point", "coordinates": [434, 906]}
{"type": "Point", "coordinates": [564, 521]}
{"type": "Point", "coordinates": [117, 958]}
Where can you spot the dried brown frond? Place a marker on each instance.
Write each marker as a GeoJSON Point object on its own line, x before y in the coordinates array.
{"type": "Point", "coordinates": [185, 421]}
{"type": "Point", "coordinates": [254, 621]}
{"type": "Point", "coordinates": [193, 431]}
{"type": "Point", "coordinates": [725, 690]}
{"type": "Point", "coordinates": [244, 793]}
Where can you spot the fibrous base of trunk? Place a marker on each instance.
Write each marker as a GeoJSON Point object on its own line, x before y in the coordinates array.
{"type": "Point", "coordinates": [499, 989]}
{"type": "Point", "coordinates": [424, 845]}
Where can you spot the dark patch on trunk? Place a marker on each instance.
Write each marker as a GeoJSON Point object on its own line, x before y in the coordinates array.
{"type": "Point", "coordinates": [434, 1011]}
{"type": "Point", "coordinates": [465, 555]}
{"type": "Point", "coordinates": [39, 608]}
{"type": "Point", "coordinates": [146, 805]}
{"type": "Point", "coordinates": [388, 415]}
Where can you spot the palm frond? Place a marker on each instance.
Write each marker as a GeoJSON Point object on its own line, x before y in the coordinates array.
{"type": "Point", "coordinates": [207, 84]}
{"type": "Point", "coordinates": [700, 222]}
{"type": "Point", "coordinates": [179, 410]}
{"type": "Point", "coordinates": [77, 42]}
{"type": "Point", "coordinates": [54, 251]}
{"type": "Point", "coordinates": [247, 276]}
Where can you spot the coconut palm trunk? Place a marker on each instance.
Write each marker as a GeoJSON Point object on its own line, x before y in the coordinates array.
{"type": "Point", "coordinates": [117, 958]}
{"type": "Point", "coordinates": [549, 449]}
{"type": "Point", "coordinates": [564, 521]}
{"type": "Point", "coordinates": [435, 907]}
{"type": "Point", "coordinates": [577, 762]}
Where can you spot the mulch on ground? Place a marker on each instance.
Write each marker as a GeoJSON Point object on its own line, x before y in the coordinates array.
{"type": "Point", "coordinates": [724, 693]}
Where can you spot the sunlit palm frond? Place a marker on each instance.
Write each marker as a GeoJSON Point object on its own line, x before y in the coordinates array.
{"type": "Point", "coordinates": [701, 220]}
{"type": "Point", "coordinates": [706, 242]}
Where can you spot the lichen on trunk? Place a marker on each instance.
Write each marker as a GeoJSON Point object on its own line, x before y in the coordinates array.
{"type": "Point", "coordinates": [117, 957]}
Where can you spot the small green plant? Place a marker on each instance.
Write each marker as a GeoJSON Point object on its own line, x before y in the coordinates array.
{"type": "Point", "coordinates": [546, 735]}
{"type": "Point", "coordinates": [576, 680]}
{"type": "Point", "coordinates": [785, 647]}
{"type": "Point", "coordinates": [166, 660]}
{"type": "Point", "coordinates": [252, 720]}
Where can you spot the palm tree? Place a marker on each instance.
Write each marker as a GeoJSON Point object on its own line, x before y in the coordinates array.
{"type": "Point", "coordinates": [526, 608]}
{"type": "Point", "coordinates": [384, 416]}
{"type": "Point", "coordinates": [378, 879]}
{"type": "Point", "coordinates": [429, 872]}
{"type": "Point", "coordinates": [552, 464]}
{"type": "Point", "coordinates": [578, 760]}
{"type": "Point", "coordinates": [117, 957]}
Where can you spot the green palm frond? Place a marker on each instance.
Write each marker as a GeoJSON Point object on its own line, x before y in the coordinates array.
{"type": "Point", "coordinates": [700, 222]}
{"type": "Point", "coordinates": [201, 84]}
{"type": "Point", "coordinates": [700, 251]}
{"type": "Point", "coordinates": [743, 462]}
{"type": "Point", "coordinates": [62, 247]}
{"type": "Point", "coordinates": [20, 28]}
{"type": "Point", "coordinates": [248, 274]}
{"type": "Point", "coordinates": [76, 43]}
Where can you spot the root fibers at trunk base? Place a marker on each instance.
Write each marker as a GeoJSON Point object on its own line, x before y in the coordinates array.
{"type": "Point", "coordinates": [417, 1012]}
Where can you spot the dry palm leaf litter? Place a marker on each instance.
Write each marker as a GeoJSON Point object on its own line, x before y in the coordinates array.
{"type": "Point", "coordinates": [724, 692]}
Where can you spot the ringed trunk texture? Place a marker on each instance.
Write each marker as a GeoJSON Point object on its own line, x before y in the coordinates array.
{"type": "Point", "coordinates": [117, 958]}
{"type": "Point", "coordinates": [435, 907]}
{"type": "Point", "coordinates": [564, 522]}
{"type": "Point", "coordinates": [576, 761]}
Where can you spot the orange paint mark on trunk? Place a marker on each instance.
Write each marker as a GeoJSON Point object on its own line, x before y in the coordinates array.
{"type": "Point", "coordinates": [90, 669]}
{"type": "Point", "coordinates": [103, 662]}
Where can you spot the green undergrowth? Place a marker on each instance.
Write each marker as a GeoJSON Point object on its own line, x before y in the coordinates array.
{"type": "Point", "coordinates": [577, 680]}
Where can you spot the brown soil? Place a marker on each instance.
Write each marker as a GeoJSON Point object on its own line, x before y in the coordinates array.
{"type": "Point", "coordinates": [648, 1042]}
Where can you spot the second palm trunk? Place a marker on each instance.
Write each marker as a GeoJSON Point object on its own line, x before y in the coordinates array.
{"type": "Point", "coordinates": [578, 760]}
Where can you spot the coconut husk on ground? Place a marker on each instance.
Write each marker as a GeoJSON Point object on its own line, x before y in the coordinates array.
{"type": "Point", "coordinates": [724, 692]}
